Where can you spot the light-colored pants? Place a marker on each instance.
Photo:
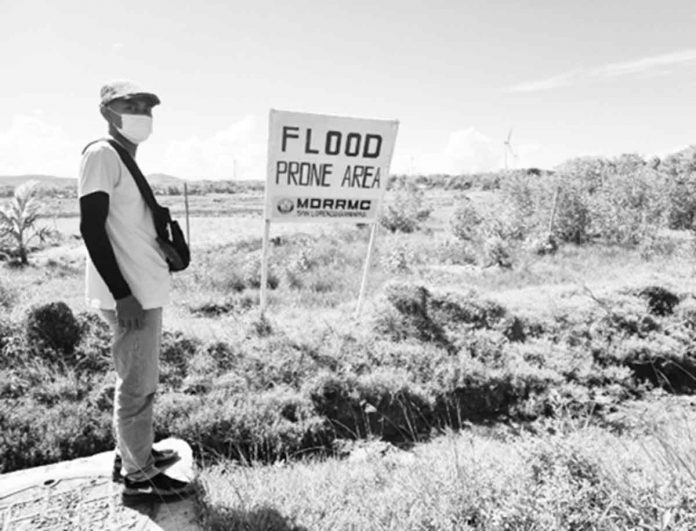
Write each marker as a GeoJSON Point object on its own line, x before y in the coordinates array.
{"type": "Point", "coordinates": [136, 357]}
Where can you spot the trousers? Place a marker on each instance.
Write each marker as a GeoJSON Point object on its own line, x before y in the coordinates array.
{"type": "Point", "coordinates": [136, 359]}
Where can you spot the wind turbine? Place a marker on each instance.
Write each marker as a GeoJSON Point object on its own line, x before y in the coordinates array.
{"type": "Point", "coordinates": [507, 148]}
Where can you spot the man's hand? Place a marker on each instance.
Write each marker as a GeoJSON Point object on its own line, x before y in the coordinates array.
{"type": "Point", "coordinates": [130, 313]}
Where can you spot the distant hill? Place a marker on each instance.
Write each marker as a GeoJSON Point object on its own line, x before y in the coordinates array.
{"type": "Point", "coordinates": [45, 180]}
{"type": "Point", "coordinates": [155, 179]}
{"type": "Point", "coordinates": [162, 179]}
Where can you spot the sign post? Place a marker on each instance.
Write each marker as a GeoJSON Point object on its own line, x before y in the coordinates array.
{"type": "Point", "coordinates": [324, 169]}
{"type": "Point", "coordinates": [366, 269]}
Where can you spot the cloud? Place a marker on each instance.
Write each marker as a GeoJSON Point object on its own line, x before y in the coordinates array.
{"type": "Point", "coordinates": [470, 151]}
{"type": "Point", "coordinates": [561, 80]}
{"type": "Point", "coordinates": [237, 152]}
{"type": "Point", "coordinates": [612, 70]}
{"type": "Point", "coordinates": [465, 151]}
{"type": "Point", "coordinates": [242, 147]}
{"type": "Point", "coordinates": [683, 57]}
{"type": "Point", "coordinates": [31, 145]}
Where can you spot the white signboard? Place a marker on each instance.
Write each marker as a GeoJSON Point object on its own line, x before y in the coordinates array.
{"type": "Point", "coordinates": [327, 168]}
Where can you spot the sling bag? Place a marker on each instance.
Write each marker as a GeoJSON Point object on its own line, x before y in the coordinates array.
{"type": "Point", "coordinates": [170, 238]}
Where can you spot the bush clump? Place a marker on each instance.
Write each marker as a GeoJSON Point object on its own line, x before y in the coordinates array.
{"type": "Point", "coordinates": [412, 311]}
{"type": "Point", "coordinates": [264, 426]}
{"type": "Point", "coordinates": [66, 430]}
{"type": "Point", "coordinates": [660, 300]}
{"type": "Point", "coordinates": [465, 222]}
{"type": "Point", "coordinates": [385, 404]}
{"type": "Point", "coordinates": [176, 351]}
{"type": "Point", "coordinates": [404, 210]}
{"type": "Point", "coordinates": [407, 315]}
{"type": "Point", "coordinates": [53, 330]}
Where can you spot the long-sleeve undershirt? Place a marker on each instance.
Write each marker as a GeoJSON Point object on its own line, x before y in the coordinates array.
{"type": "Point", "coordinates": [94, 209]}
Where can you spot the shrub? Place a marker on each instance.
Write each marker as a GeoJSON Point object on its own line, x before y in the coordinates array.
{"type": "Point", "coordinates": [33, 434]}
{"type": "Point", "coordinates": [569, 483]}
{"type": "Point", "coordinates": [12, 343]}
{"type": "Point", "coordinates": [420, 361]}
{"type": "Point", "coordinates": [101, 396]}
{"type": "Point", "coordinates": [660, 300]}
{"type": "Point", "coordinates": [232, 304]}
{"type": "Point", "coordinates": [497, 252]}
{"type": "Point", "coordinates": [451, 308]}
{"type": "Point", "coordinates": [177, 349]}
{"type": "Point", "coordinates": [657, 245]}
{"type": "Point", "coordinates": [407, 315]}
{"type": "Point", "coordinates": [251, 272]}
{"type": "Point", "coordinates": [8, 296]}
{"type": "Point", "coordinates": [525, 206]}
{"type": "Point", "coordinates": [572, 221]}
{"type": "Point", "coordinates": [60, 387]}
{"type": "Point", "coordinates": [625, 318]}
{"type": "Point", "coordinates": [541, 244]}
{"type": "Point", "coordinates": [404, 210]}
{"type": "Point", "coordinates": [18, 221]}
{"type": "Point", "coordinates": [53, 331]}
{"type": "Point", "coordinates": [680, 168]}
{"type": "Point", "coordinates": [93, 352]}
{"type": "Point", "coordinates": [686, 313]}
{"type": "Point", "coordinates": [619, 201]}
{"type": "Point", "coordinates": [465, 222]}
{"type": "Point", "coordinates": [628, 207]}
{"type": "Point", "coordinates": [468, 390]}
{"type": "Point", "coordinates": [253, 427]}
{"type": "Point", "coordinates": [260, 326]}
{"type": "Point", "coordinates": [385, 404]}
{"type": "Point", "coordinates": [12, 384]}
{"type": "Point", "coordinates": [399, 258]}
{"type": "Point", "coordinates": [210, 361]}
{"type": "Point", "coordinates": [486, 346]}
{"type": "Point", "coordinates": [659, 359]}
{"type": "Point", "coordinates": [414, 312]}
{"type": "Point", "coordinates": [224, 356]}
{"type": "Point", "coordinates": [457, 252]}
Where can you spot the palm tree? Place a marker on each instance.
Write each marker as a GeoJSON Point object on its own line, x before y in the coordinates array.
{"type": "Point", "coordinates": [18, 219]}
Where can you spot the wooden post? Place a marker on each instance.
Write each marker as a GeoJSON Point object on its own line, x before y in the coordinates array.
{"type": "Point", "coordinates": [264, 265]}
{"type": "Point", "coordinates": [366, 268]}
{"type": "Point", "coordinates": [553, 210]}
{"type": "Point", "coordinates": [186, 204]}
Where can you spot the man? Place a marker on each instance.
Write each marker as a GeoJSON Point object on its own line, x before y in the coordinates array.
{"type": "Point", "coordinates": [128, 279]}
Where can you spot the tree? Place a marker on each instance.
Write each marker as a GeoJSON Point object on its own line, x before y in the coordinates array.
{"type": "Point", "coordinates": [18, 220]}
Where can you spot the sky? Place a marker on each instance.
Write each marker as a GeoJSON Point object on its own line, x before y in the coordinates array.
{"type": "Point", "coordinates": [569, 78]}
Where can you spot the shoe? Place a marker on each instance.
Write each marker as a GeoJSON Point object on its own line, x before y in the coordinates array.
{"type": "Point", "coordinates": [163, 458]}
{"type": "Point", "coordinates": [159, 487]}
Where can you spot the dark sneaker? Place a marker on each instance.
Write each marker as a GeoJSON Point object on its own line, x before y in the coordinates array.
{"type": "Point", "coordinates": [163, 458]}
{"type": "Point", "coordinates": [158, 487]}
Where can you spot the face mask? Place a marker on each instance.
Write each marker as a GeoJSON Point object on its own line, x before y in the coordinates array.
{"type": "Point", "coordinates": [134, 127]}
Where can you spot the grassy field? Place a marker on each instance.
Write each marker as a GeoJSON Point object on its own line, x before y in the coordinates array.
{"type": "Point", "coordinates": [553, 392]}
{"type": "Point", "coordinates": [548, 475]}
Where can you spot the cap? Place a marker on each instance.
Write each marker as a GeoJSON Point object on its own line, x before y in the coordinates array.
{"type": "Point", "coordinates": [125, 89]}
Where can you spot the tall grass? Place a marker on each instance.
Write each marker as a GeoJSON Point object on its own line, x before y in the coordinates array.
{"type": "Point", "coordinates": [562, 476]}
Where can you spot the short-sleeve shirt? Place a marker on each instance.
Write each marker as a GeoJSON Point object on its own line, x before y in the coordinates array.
{"type": "Point", "coordinates": [130, 229]}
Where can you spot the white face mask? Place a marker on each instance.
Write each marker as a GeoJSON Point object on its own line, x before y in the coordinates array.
{"type": "Point", "coordinates": [135, 127]}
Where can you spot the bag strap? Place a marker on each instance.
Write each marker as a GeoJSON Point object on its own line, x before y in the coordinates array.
{"type": "Point", "coordinates": [161, 216]}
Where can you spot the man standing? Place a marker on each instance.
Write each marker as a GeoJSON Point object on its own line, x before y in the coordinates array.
{"type": "Point", "coordinates": [128, 279]}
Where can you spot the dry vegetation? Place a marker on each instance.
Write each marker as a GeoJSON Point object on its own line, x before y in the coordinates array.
{"type": "Point", "coordinates": [513, 368]}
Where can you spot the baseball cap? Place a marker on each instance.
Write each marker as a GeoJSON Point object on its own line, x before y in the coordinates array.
{"type": "Point", "coordinates": [123, 88]}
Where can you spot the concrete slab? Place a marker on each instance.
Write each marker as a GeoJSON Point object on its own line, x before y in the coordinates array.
{"type": "Point", "coordinates": [79, 495]}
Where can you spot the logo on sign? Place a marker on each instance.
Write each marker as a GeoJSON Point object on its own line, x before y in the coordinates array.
{"type": "Point", "coordinates": [285, 206]}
